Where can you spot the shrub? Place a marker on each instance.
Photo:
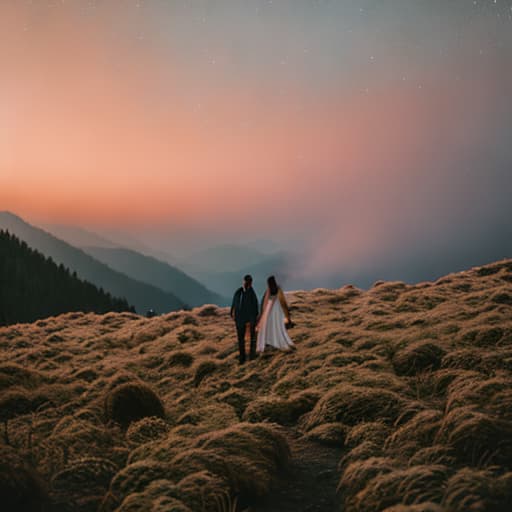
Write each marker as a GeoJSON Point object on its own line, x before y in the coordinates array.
{"type": "Point", "coordinates": [418, 357]}
{"type": "Point", "coordinates": [132, 401]}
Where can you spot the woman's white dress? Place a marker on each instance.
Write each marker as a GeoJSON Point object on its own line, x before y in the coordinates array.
{"type": "Point", "coordinates": [271, 329]}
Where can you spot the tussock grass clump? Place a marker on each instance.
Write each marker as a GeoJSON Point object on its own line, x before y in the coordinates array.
{"type": "Point", "coordinates": [374, 431]}
{"type": "Point", "coordinates": [21, 487]}
{"type": "Point", "coordinates": [245, 458]}
{"type": "Point", "coordinates": [363, 451]}
{"type": "Point", "coordinates": [502, 298]}
{"type": "Point", "coordinates": [441, 379]}
{"type": "Point", "coordinates": [132, 401]}
{"type": "Point", "coordinates": [477, 438]}
{"type": "Point", "coordinates": [83, 477]}
{"type": "Point", "coordinates": [133, 478]}
{"type": "Point", "coordinates": [12, 374]}
{"type": "Point", "coordinates": [146, 429]}
{"type": "Point", "coordinates": [357, 474]}
{"type": "Point", "coordinates": [81, 438]}
{"type": "Point", "coordinates": [352, 405]}
{"type": "Point", "coordinates": [347, 358]}
{"type": "Point", "coordinates": [209, 417]}
{"type": "Point", "coordinates": [14, 402]}
{"type": "Point", "coordinates": [407, 486]}
{"type": "Point", "coordinates": [418, 357]}
{"type": "Point", "coordinates": [180, 358]}
{"type": "Point", "coordinates": [237, 399]}
{"type": "Point", "coordinates": [285, 411]}
{"type": "Point", "coordinates": [477, 489]}
{"type": "Point", "coordinates": [208, 310]}
{"type": "Point", "coordinates": [464, 359]}
{"type": "Point", "coordinates": [436, 454]}
{"type": "Point", "coordinates": [419, 431]}
{"type": "Point", "coordinates": [476, 391]}
{"type": "Point", "coordinates": [488, 337]}
{"type": "Point", "coordinates": [202, 491]}
{"type": "Point", "coordinates": [204, 369]}
{"type": "Point", "coordinates": [501, 404]}
{"type": "Point", "coordinates": [418, 507]}
{"type": "Point", "coordinates": [330, 434]}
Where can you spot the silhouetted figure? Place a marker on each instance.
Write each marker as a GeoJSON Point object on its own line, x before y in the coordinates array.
{"type": "Point", "coordinates": [150, 313]}
{"type": "Point", "coordinates": [244, 310]}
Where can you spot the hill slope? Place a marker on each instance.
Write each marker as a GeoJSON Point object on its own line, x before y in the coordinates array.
{"type": "Point", "coordinates": [143, 296]}
{"type": "Point", "coordinates": [396, 399]}
{"type": "Point", "coordinates": [34, 287]}
{"type": "Point", "coordinates": [157, 273]}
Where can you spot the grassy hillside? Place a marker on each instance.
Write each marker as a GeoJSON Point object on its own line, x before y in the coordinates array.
{"type": "Point", "coordinates": [142, 295]}
{"type": "Point", "coordinates": [157, 273]}
{"type": "Point", "coordinates": [396, 399]}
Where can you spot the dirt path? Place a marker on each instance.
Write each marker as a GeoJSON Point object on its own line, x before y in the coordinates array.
{"type": "Point", "coordinates": [310, 484]}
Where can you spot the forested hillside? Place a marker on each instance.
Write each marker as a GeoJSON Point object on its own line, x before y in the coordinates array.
{"type": "Point", "coordinates": [33, 286]}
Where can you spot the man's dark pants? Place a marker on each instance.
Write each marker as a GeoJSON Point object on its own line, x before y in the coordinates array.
{"type": "Point", "coordinates": [240, 330]}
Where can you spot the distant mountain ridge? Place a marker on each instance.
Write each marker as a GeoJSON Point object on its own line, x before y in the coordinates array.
{"type": "Point", "coordinates": [34, 286]}
{"type": "Point", "coordinates": [226, 283]}
{"type": "Point", "coordinates": [77, 236]}
{"type": "Point", "coordinates": [157, 273]}
{"type": "Point", "coordinates": [142, 295]}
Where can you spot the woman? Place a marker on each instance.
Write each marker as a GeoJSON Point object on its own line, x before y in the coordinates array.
{"type": "Point", "coordinates": [274, 313]}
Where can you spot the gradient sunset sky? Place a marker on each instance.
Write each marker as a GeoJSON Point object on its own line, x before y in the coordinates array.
{"type": "Point", "coordinates": [357, 127]}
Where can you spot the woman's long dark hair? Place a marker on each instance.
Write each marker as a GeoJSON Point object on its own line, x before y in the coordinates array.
{"type": "Point", "coordinates": [272, 285]}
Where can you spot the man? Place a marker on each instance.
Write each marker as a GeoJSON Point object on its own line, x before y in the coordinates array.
{"type": "Point", "coordinates": [244, 310]}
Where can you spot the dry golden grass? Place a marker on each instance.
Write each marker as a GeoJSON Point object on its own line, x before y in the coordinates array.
{"type": "Point", "coordinates": [120, 412]}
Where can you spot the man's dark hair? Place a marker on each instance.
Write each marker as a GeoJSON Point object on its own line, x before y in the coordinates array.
{"type": "Point", "coordinates": [248, 278]}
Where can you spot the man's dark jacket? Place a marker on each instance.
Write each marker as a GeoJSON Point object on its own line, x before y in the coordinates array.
{"type": "Point", "coordinates": [245, 306]}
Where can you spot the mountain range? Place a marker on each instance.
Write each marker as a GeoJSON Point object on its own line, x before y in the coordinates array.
{"type": "Point", "coordinates": [142, 295]}
{"type": "Point", "coordinates": [157, 273]}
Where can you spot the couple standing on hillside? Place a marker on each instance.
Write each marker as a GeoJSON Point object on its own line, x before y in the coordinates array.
{"type": "Point", "coordinates": [270, 325]}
